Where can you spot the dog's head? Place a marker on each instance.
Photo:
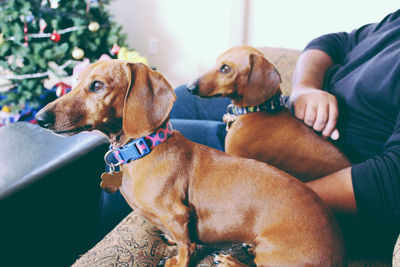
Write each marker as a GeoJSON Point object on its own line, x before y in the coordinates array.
{"type": "Point", "coordinates": [243, 74]}
{"type": "Point", "coordinates": [112, 96]}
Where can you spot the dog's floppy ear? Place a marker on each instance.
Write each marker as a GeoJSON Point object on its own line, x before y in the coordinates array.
{"type": "Point", "coordinates": [263, 81]}
{"type": "Point", "coordinates": [148, 101]}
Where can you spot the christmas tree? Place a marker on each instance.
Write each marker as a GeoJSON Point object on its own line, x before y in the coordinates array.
{"type": "Point", "coordinates": [41, 41]}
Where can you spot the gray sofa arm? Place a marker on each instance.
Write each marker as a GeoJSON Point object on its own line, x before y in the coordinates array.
{"type": "Point", "coordinates": [29, 152]}
{"type": "Point", "coordinates": [49, 195]}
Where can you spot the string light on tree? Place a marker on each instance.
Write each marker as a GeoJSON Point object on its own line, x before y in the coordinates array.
{"type": "Point", "coordinates": [26, 34]}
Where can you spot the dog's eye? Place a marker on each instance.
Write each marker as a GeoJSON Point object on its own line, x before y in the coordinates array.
{"type": "Point", "coordinates": [224, 69]}
{"type": "Point", "coordinates": [96, 86]}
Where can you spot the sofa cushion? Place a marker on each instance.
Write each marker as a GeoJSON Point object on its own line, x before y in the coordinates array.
{"type": "Point", "coordinates": [285, 62]}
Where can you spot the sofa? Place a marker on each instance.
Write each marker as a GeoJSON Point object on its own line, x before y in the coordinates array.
{"type": "Point", "coordinates": [135, 242]}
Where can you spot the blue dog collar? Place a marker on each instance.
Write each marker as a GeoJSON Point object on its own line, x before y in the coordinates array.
{"type": "Point", "coordinates": [138, 148]}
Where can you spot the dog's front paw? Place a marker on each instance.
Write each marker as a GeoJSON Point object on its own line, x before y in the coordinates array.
{"type": "Point", "coordinates": [249, 249]}
{"type": "Point", "coordinates": [227, 261]}
{"type": "Point", "coordinates": [167, 239]}
{"type": "Point", "coordinates": [162, 262]}
{"type": "Point", "coordinates": [171, 262]}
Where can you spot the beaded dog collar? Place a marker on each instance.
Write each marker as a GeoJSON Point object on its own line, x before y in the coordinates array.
{"type": "Point", "coordinates": [272, 105]}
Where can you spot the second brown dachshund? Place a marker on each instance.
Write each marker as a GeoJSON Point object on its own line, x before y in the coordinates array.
{"type": "Point", "coordinates": [272, 134]}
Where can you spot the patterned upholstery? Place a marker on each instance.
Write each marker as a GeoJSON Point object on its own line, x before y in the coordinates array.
{"type": "Point", "coordinates": [396, 254]}
{"type": "Point", "coordinates": [284, 61]}
{"type": "Point", "coordinates": [135, 242]}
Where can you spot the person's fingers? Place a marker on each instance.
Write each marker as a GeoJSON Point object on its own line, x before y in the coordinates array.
{"type": "Point", "coordinates": [331, 124]}
{"type": "Point", "coordinates": [310, 115]}
{"type": "Point", "coordinates": [335, 134]}
{"type": "Point", "coordinates": [322, 118]}
{"type": "Point", "coordinates": [299, 109]}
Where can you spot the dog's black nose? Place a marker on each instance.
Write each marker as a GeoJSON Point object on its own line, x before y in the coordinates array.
{"type": "Point", "coordinates": [45, 119]}
{"type": "Point", "coordinates": [193, 87]}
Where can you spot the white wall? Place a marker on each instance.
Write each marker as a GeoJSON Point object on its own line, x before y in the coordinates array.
{"type": "Point", "coordinates": [189, 34]}
{"type": "Point", "coordinates": [293, 24]}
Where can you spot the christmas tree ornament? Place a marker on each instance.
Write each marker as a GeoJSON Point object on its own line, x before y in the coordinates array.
{"type": "Point", "coordinates": [131, 56]}
{"type": "Point", "coordinates": [77, 53]}
{"type": "Point", "coordinates": [54, 3]}
{"type": "Point", "coordinates": [94, 26]}
{"type": "Point", "coordinates": [62, 89]}
{"type": "Point", "coordinates": [115, 49]}
{"type": "Point", "coordinates": [6, 117]}
{"type": "Point", "coordinates": [42, 25]}
{"type": "Point", "coordinates": [5, 109]}
{"type": "Point", "coordinates": [55, 37]}
{"type": "Point", "coordinates": [29, 18]}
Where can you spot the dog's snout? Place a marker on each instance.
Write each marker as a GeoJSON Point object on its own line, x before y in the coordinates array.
{"type": "Point", "coordinates": [45, 119]}
{"type": "Point", "coordinates": [193, 87]}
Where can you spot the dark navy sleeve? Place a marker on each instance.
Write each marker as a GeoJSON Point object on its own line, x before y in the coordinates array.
{"type": "Point", "coordinates": [376, 182]}
{"type": "Point", "coordinates": [338, 45]}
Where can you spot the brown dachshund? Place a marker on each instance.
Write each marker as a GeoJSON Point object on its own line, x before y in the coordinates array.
{"type": "Point", "coordinates": [194, 193]}
{"type": "Point", "coordinates": [273, 135]}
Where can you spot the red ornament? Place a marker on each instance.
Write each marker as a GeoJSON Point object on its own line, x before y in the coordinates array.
{"type": "Point", "coordinates": [115, 49]}
{"type": "Point", "coordinates": [62, 89]}
{"type": "Point", "coordinates": [55, 37]}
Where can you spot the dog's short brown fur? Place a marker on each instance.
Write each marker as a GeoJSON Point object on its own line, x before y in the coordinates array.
{"type": "Point", "coordinates": [196, 194]}
{"type": "Point", "coordinates": [249, 79]}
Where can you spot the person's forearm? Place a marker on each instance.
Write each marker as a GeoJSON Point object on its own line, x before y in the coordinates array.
{"type": "Point", "coordinates": [336, 190]}
{"type": "Point", "coordinates": [310, 70]}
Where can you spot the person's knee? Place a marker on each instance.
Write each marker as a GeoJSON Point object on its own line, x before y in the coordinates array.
{"type": "Point", "coordinates": [205, 132]}
{"type": "Point", "coordinates": [191, 107]}
{"type": "Point", "coordinates": [184, 106]}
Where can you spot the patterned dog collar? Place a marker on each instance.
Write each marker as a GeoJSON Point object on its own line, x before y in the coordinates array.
{"type": "Point", "coordinates": [272, 105]}
{"type": "Point", "coordinates": [138, 148]}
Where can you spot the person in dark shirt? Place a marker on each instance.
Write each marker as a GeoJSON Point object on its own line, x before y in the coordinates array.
{"type": "Point", "coordinates": [347, 86]}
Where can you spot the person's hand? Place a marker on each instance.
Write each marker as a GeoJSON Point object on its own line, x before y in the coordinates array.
{"type": "Point", "coordinates": [318, 109]}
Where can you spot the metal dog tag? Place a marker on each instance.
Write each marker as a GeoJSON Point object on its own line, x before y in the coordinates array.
{"type": "Point", "coordinates": [229, 119]}
{"type": "Point", "coordinates": [111, 181]}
